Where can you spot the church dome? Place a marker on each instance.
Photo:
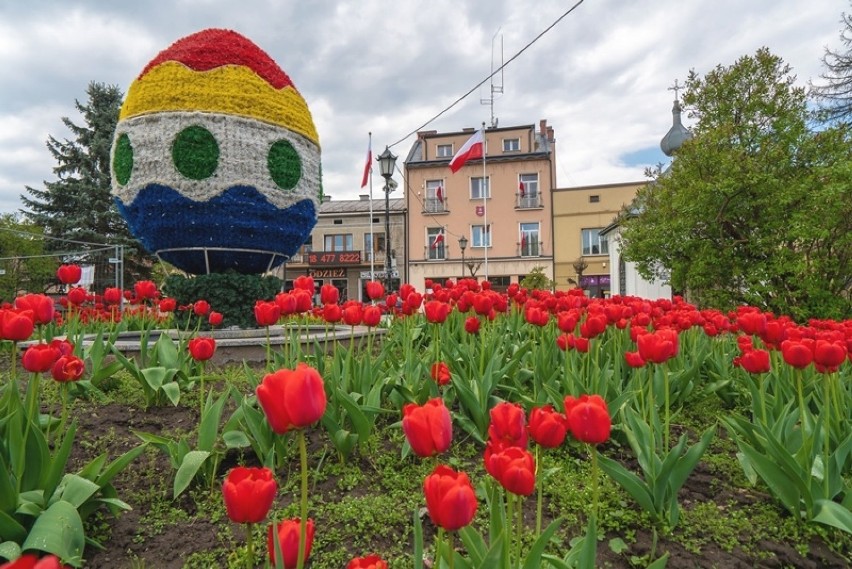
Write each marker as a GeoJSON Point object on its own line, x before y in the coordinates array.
{"type": "Point", "coordinates": [677, 134]}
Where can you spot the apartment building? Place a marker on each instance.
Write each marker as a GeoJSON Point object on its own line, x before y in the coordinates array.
{"type": "Point", "coordinates": [347, 246]}
{"type": "Point", "coordinates": [581, 252]}
{"type": "Point", "coordinates": [491, 218]}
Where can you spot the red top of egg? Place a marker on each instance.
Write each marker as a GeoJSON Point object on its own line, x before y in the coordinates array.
{"type": "Point", "coordinates": [213, 48]}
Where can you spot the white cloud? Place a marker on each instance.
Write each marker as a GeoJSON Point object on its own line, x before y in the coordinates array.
{"type": "Point", "coordinates": [599, 77]}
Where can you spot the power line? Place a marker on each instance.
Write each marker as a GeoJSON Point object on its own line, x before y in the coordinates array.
{"type": "Point", "coordinates": [495, 72]}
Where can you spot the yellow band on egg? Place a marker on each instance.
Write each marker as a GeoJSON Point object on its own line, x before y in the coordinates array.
{"type": "Point", "coordinates": [230, 89]}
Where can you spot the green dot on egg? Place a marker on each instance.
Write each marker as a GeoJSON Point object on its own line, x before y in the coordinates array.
{"type": "Point", "coordinates": [122, 160]}
{"type": "Point", "coordinates": [285, 166]}
{"type": "Point", "coordinates": [195, 152]}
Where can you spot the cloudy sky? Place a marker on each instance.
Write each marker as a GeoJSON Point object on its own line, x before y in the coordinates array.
{"type": "Point", "coordinates": [599, 76]}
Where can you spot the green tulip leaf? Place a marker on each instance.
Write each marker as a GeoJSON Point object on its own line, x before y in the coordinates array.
{"type": "Point", "coordinates": [188, 469]}
{"type": "Point", "coordinates": [76, 490]}
{"type": "Point", "coordinates": [534, 555]}
{"type": "Point", "coordinates": [833, 514]}
{"type": "Point", "coordinates": [10, 529]}
{"type": "Point", "coordinates": [58, 530]}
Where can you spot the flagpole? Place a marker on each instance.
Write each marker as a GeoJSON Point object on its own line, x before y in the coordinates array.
{"type": "Point", "coordinates": [372, 242]}
{"type": "Point", "coordinates": [485, 184]}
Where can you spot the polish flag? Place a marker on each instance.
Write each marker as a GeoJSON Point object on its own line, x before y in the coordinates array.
{"type": "Point", "coordinates": [439, 238]}
{"type": "Point", "coordinates": [473, 148]}
{"type": "Point", "coordinates": [367, 165]}
{"type": "Point", "coordinates": [522, 189]}
{"type": "Point", "coordinates": [439, 193]}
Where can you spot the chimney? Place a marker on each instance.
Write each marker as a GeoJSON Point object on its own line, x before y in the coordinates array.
{"type": "Point", "coordinates": [543, 127]}
{"type": "Point", "coordinates": [363, 197]}
{"type": "Point", "coordinates": [326, 198]}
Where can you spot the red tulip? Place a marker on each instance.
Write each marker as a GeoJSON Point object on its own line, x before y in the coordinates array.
{"type": "Point", "coordinates": [659, 346]}
{"type": "Point", "coordinates": [482, 304]}
{"type": "Point", "coordinates": [375, 290]}
{"type": "Point", "coordinates": [428, 428]}
{"type": "Point", "coordinates": [633, 359]}
{"type": "Point", "coordinates": [112, 295]}
{"type": "Point", "coordinates": [31, 561]}
{"type": "Point", "coordinates": [41, 306]}
{"type": "Point", "coordinates": [329, 294]}
{"type": "Point", "coordinates": [167, 305]}
{"type": "Point", "coordinates": [304, 300]}
{"type": "Point", "coordinates": [288, 536]}
{"type": "Point", "coordinates": [471, 325]}
{"type": "Point", "coordinates": [593, 326]}
{"type": "Point", "coordinates": [514, 469]}
{"type": "Point", "coordinates": [441, 373]}
{"type": "Point", "coordinates": [829, 355]}
{"type": "Point", "coordinates": [77, 295]}
{"type": "Point", "coordinates": [305, 283]}
{"type": "Point", "coordinates": [201, 308]}
{"type": "Point", "coordinates": [368, 562]}
{"type": "Point", "coordinates": [16, 325]}
{"type": "Point", "coordinates": [547, 426]}
{"type": "Point", "coordinates": [267, 313]}
{"type": "Point", "coordinates": [566, 322]}
{"type": "Point", "coordinates": [588, 418]}
{"type": "Point", "coordinates": [248, 494]}
{"type": "Point", "coordinates": [536, 316]}
{"type": "Point", "coordinates": [450, 498]}
{"type": "Point", "coordinates": [68, 368]}
{"type": "Point", "coordinates": [292, 398]}
{"type": "Point", "coordinates": [202, 348]}
{"type": "Point", "coordinates": [372, 316]}
{"type": "Point", "coordinates": [436, 311]}
{"type": "Point", "coordinates": [752, 322]}
{"type": "Point", "coordinates": [64, 347]}
{"type": "Point", "coordinates": [508, 424]}
{"type": "Point", "coordinates": [69, 274]}
{"type": "Point", "coordinates": [332, 313]}
{"type": "Point", "coordinates": [145, 290]}
{"type": "Point", "coordinates": [753, 361]}
{"type": "Point", "coordinates": [353, 314]}
{"type": "Point", "coordinates": [215, 318]}
{"type": "Point", "coordinates": [797, 354]}
{"type": "Point", "coordinates": [39, 358]}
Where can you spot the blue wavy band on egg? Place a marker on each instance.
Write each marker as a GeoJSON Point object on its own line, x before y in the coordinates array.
{"type": "Point", "coordinates": [238, 218]}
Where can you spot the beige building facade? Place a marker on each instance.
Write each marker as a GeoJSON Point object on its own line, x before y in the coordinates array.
{"type": "Point", "coordinates": [491, 220]}
{"type": "Point", "coordinates": [581, 254]}
{"type": "Point", "coordinates": [342, 251]}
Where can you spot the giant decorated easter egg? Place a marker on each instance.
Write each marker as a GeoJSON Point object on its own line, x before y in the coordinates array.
{"type": "Point", "coordinates": [216, 159]}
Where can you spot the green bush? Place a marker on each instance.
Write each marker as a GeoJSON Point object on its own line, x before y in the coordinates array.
{"type": "Point", "coordinates": [232, 294]}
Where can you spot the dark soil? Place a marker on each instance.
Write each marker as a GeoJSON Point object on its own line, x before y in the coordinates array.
{"type": "Point", "coordinates": [109, 428]}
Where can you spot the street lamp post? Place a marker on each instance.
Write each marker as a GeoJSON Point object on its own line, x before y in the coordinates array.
{"type": "Point", "coordinates": [387, 163]}
{"type": "Point", "coordinates": [462, 246]}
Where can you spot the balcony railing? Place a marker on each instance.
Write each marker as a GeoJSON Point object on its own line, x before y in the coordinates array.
{"type": "Point", "coordinates": [529, 201]}
{"type": "Point", "coordinates": [529, 249]}
{"type": "Point", "coordinates": [434, 205]}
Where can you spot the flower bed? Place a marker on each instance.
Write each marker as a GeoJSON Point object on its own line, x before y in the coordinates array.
{"type": "Point", "coordinates": [480, 430]}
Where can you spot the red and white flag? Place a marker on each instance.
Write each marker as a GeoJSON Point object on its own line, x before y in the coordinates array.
{"type": "Point", "coordinates": [472, 149]}
{"type": "Point", "coordinates": [439, 238]}
{"type": "Point", "coordinates": [522, 189]}
{"type": "Point", "coordinates": [367, 165]}
{"type": "Point", "coordinates": [439, 193]}
{"type": "Point", "coordinates": [523, 240]}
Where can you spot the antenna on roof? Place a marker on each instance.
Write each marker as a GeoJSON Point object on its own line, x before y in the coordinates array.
{"type": "Point", "coordinates": [498, 88]}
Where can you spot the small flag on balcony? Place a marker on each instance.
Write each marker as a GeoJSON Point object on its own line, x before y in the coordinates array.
{"type": "Point", "coordinates": [439, 238]}
{"type": "Point", "coordinates": [522, 189]}
{"type": "Point", "coordinates": [473, 148]}
{"type": "Point", "coordinates": [439, 193]}
{"type": "Point", "coordinates": [523, 241]}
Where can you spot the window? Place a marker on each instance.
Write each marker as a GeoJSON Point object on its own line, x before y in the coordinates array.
{"type": "Point", "coordinates": [436, 197]}
{"type": "Point", "coordinates": [594, 199]}
{"type": "Point", "coordinates": [478, 189]}
{"type": "Point", "coordinates": [338, 222]}
{"type": "Point", "coordinates": [435, 243]}
{"type": "Point", "coordinates": [444, 151]}
{"type": "Point", "coordinates": [340, 242]}
{"type": "Point", "coordinates": [481, 236]}
{"type": "Point", "coordinates": [378, 251]}
{"type": "Point", "coordinates": [511, 144]}
{"type": "Point", "coordinates": [593, 244]}
{"type": "Point", "coordinates": [529, 240]}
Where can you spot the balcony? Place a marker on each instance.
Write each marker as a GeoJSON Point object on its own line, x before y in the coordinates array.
{"type": "Point", "coordinates": [529, 201]}
{"type": "Point", "coordinates": [529, 249]}
{"type": "Point", "coordinates": [434, 205]}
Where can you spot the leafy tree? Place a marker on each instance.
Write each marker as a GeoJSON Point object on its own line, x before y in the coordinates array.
{"type": "Point", "coordinates": [536, 279]}
{"type": "Point", "coordinates": [755, 209]}
{"type": "Point", "coordinates": [78, 206]}
{"type": "Point", "coordinates": [836, 93]}
{"type": "Point", "coordinates": [25, 267]}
